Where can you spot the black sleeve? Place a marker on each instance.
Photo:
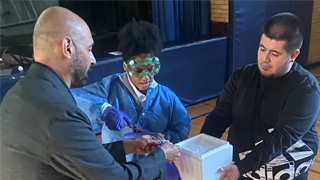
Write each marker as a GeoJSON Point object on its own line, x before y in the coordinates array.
{"type": "Point", "coordinates": [116, 150]}
{"type": "Point", "coordinates": [76, 152]}
{"type": "Point", "coordinates": [298, 115]}
{"type": "Point", "coordinates": [221, 117]}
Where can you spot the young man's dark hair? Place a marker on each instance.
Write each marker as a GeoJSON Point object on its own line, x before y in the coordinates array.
{"type": "Point", "coordinates": [139, 37]}
{"type": "Point", "coordinates": [287, 27]}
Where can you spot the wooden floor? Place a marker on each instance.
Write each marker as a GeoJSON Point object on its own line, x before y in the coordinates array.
{"type": "Point", "coordinates": [205, 107]}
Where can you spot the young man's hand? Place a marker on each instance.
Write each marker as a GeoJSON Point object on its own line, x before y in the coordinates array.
{"type": "Point", "coordinates": [171, 151]}
{"type": "Point", "coordinates": [232, 172]}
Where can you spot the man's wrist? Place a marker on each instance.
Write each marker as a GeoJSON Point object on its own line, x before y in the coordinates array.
{"type": "Point", "coordinates": [242, 166]}
{"type": "Point", "coordinates": [128, 146]}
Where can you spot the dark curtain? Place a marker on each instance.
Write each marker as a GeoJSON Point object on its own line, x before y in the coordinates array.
{"type": "Point", "coordinates": [178, 19]}
{"type": "Point", "coordinates": [101, 16]}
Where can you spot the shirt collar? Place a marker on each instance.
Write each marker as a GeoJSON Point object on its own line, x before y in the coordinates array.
{"type": "Point", "coordinates": [141, 96]}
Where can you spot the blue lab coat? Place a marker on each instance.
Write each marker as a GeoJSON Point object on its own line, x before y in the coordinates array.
{"type": "Point", "coordinates": [162, 111]}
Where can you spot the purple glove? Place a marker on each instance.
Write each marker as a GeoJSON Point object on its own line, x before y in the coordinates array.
{"type": "Point", "coordinates": [131, 135]}
{"type": "Point", "coordinates": [172, 172]}
{"type": "Point", "coordinates": [114, 118]}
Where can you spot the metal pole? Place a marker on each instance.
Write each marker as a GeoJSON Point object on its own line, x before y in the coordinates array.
{"type": "Point", "coordinates": [34, 10]}
{"type": "Point", "coordinates": [25, 6]}
{"type": "Point", "coordinates": [6, 2]}
{"type": "Point", "coordinates": [15, 8]}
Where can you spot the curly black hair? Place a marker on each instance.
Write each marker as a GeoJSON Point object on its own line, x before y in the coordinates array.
{"type": "Point", "coordinates": [139, 37]}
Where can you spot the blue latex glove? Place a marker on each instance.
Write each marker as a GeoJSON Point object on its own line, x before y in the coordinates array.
{"type": "Point", "coordinates": [114, 118]}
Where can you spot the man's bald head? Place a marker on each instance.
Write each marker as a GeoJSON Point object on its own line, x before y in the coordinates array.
{"type": "Point", "coordinates": [63, 42]}
{"type": "Point", "coordinates": [53, 25]}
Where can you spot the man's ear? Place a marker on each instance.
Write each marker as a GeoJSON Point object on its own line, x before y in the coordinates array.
{"type": "Point", "coordinates": [295, 54]}
{"type": "Point", "coordinates": [67, 47]}
{"type": "Point", "coordinates": [125, 68]}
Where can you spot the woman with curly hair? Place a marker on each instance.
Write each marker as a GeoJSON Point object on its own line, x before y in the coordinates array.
{"type": "Point", "coordinates": [134, 97]}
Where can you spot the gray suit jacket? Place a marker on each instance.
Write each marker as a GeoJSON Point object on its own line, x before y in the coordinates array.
{"type": "Point", "coordinates": [45, 136]}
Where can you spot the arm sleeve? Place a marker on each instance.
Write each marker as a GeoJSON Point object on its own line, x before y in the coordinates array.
{"type": "Point", "coordinates": [76, 152]}
{"type": "Point", "coordinates": [93, 99]}
{"type": "Point", "coordinates": [298, 115]}
{"type": "Point", "coordinates": [96, 93]}
{"type": "Point", "coordinates": [221, 117]}
{"type": "Point", "coordinates": [179, 124]}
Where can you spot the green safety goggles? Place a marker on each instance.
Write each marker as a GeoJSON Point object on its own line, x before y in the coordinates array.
{"type": "Point", "coordinates": [140, 68]}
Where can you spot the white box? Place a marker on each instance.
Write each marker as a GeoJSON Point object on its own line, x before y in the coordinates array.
{"type": "Point", "coordinates": [202, 156]}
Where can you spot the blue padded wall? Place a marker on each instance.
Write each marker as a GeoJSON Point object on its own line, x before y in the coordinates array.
{"type": "Point", "coordinates": [194, 71]}
{"type": "Point", "coordinates": [247, 19]}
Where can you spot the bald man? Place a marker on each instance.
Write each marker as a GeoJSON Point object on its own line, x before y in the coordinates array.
{"type": "Point", "coordinates": [45, 136]}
